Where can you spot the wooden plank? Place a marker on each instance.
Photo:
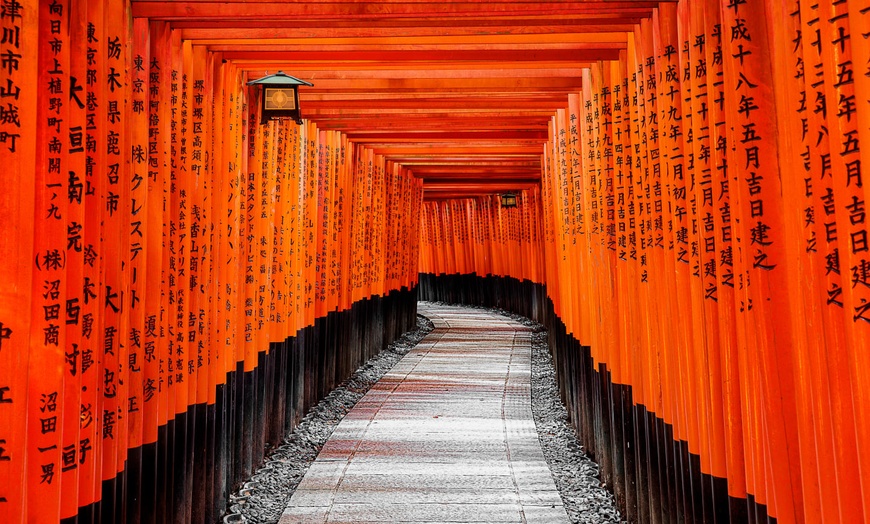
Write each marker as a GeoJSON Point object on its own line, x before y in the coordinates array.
{"type": "Point", "coordinates": [434, 174]}
{"type": "Point", "coordinates": [435, 142]}
{"type": "Point", "coordinates": [338, 72]}
{"type": "Point", "coordinates": [288, 10]}
{"type": "Point", "coordinates": [200, 32]}
{"type": "Point", "coordinates": [409, 26]}
{"type": "Point", "coordinates": [417, 42]}
{"type": "Point", "coordinates": [425, 105]}
{"type": "Point", "coordinates": [388, 55]}
{"type": "Point", "coordinates": [439, 152]}
{"type": "Point", "coordinates": [427, 136]}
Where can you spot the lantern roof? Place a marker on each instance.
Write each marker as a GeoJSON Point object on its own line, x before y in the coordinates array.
{"type": "Point", "coordinates": [280, 78]}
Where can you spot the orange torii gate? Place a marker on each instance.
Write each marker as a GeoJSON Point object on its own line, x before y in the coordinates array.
{"type": "Point", "coordinates": [180, 283]}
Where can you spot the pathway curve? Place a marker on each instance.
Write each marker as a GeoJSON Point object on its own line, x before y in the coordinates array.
{"type": "Point", "coordinates": [446, 436]}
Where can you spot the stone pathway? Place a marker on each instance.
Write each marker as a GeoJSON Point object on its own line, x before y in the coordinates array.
{"type": "Point", "coordinates": [446, 436]}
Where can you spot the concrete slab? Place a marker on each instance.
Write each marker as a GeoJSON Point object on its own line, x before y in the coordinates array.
{"type": "Point", "coordinates": [446, 436]}
{"type": "Point", "coordinates": [438, 512]}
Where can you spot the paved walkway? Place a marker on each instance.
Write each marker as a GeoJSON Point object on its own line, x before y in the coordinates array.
{"type": "Point", "coordinates": [446, 436]}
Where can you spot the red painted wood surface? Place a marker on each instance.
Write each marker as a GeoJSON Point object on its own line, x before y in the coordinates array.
{"type": "Point", "coordinates": [691, 192]}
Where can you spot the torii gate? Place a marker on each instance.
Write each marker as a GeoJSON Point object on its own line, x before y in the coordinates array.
{"type": "Point", "coordinates": [179, 282]}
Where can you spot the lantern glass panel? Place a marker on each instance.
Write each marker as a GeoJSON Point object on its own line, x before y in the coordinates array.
{"type": "Point", "coordinates": [280, 98]}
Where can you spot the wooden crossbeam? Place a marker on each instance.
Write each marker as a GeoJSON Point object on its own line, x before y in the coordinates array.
{"type": "Point", "coordinates": [454, 55]}
{"type": "Point", "coordinates": [459, 92]}
{"type": "Point", "coordinates": [205, 31]}
{"type": "Point", "coordinates": [205, 10]}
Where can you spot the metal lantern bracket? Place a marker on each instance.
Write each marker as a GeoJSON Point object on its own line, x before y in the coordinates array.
{"type": "Point", "coordinates": [279, 97]}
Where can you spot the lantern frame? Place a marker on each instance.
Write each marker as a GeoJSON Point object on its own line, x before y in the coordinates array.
{"type": "Point", "coordinates": [274, 96]}
{"type": "Point", "coordinates": [508, 199]}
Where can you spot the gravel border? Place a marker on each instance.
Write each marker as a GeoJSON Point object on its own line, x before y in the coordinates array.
{"type": "Point", "coordinates": [264, 497]}
{"type": "Point", "coordinates": [577, 476]}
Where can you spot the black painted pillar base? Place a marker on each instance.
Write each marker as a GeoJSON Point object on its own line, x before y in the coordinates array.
{"type": "Point", "coordinates": [207, 451]}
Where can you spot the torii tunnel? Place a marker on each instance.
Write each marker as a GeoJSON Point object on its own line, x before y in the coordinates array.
{"type": "Point", "coordinates": [180, 283]}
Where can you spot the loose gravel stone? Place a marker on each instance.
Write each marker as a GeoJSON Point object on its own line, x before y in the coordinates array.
{"type": "Point", "coordinates": [262, 499]}
{"type": "Point", "coordinates": [576, 475]}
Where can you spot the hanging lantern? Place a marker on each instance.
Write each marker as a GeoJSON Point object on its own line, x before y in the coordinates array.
{"type": "Point", "coordinates": [280, 97]}
{"type": "Point", "coordinates": [508, 200]}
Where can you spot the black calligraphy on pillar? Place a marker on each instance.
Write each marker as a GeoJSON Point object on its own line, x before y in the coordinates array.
{"type": "Point", "coordinates": [671, 137]}
{"type": "Point", "coordinates": [845, 172]}
{"type": "Point", "coordinates": [10, 62]}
